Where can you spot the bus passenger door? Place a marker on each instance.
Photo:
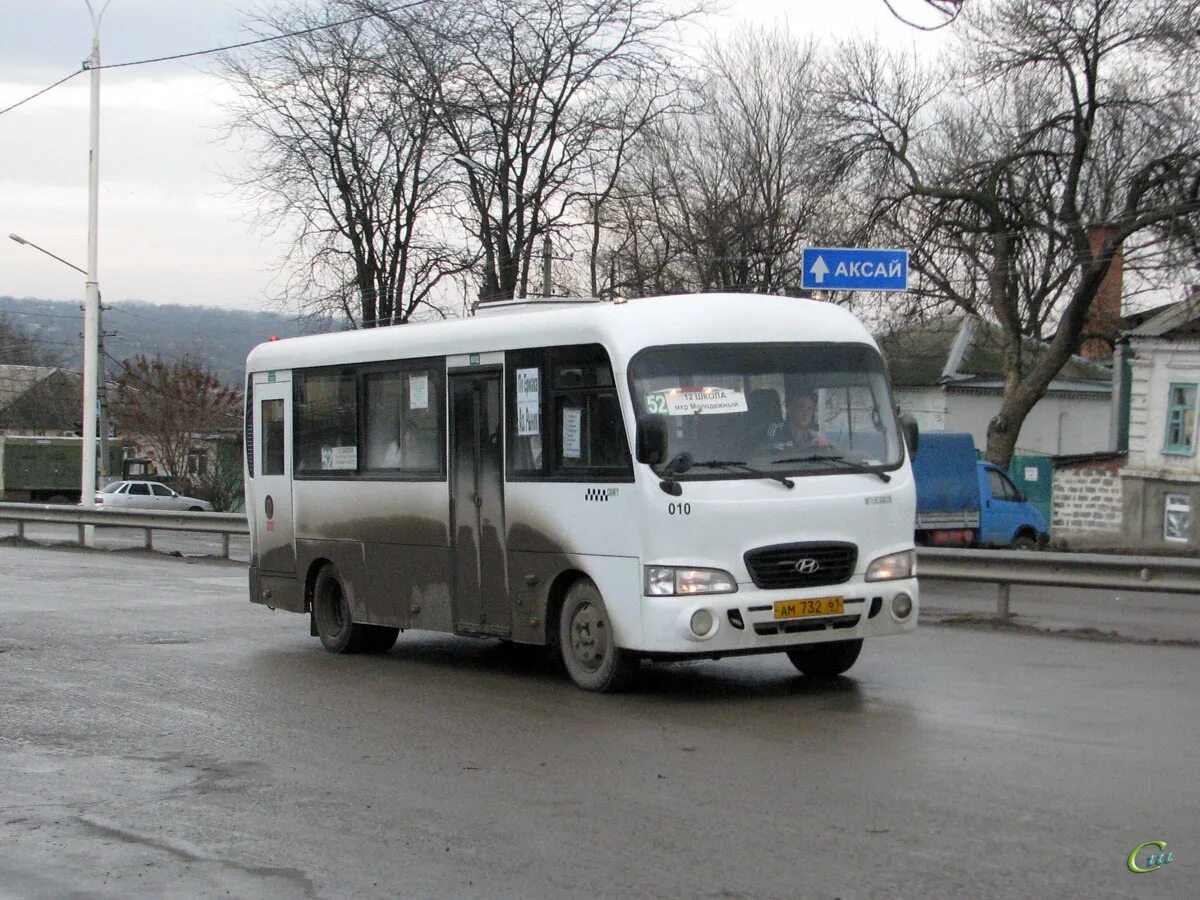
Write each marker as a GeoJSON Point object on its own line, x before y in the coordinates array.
{"type": "Point", "coordinates": [477, 504]}
{"type": "Point", "coordinates": [272, 515]}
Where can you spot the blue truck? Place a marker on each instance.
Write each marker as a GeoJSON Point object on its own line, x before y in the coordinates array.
{"type": "Point", "coordinates": [963, 501]}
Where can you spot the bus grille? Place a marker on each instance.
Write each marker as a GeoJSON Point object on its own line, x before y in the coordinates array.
{"type": "Point", "coordinates": [801, 565]}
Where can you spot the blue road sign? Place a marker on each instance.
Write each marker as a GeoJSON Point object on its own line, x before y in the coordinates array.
{"type": "Point", "coordinates": [848, 269]}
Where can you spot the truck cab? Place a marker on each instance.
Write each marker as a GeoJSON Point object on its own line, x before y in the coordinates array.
{"type": "Point", "coordinates": [1006, 517]}
{"type": "Point", "coordinates": [963, 501]}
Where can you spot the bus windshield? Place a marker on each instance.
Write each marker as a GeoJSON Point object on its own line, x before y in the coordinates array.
{"type": "Point", "coordinates": [788, 409]}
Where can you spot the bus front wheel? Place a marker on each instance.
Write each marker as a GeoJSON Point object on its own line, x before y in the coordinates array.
{"type": "Point", "coordinates": [337, 631]}
{"type": "Point", "coordinates": [585, 639]}
{"type": "Point", "coordinates": [827, 659]}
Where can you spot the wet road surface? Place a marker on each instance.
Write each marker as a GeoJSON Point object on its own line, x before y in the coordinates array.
{"type": "Point", "coordinates": [159, 735]}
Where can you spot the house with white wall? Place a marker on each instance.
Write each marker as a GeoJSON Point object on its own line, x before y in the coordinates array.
{"type": "Point", "coordinates": [1159, 360]}
{"type": "Point", "coordinates": [948, 374]}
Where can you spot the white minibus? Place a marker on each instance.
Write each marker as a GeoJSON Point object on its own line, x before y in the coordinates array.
{"type": "Point", "coordinates": [661, 478]}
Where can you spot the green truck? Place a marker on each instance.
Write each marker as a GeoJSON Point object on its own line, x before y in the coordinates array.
{"type": "Point", "coordinates": [44, 469]}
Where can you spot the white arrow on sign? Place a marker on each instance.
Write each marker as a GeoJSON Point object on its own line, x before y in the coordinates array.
{"type": "Point", "coordinates": [819, 269]}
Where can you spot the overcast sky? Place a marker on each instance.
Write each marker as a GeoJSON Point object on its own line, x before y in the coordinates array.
{"type": "Point", "coordinates": [171, 229]}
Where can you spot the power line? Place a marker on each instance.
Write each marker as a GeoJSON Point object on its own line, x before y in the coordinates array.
{"type": "Point", "coordinates": [19, 312]}
{"type": "Point", "coordinates": [211, 50]}
{"type": "Point", "coordinates": [62, 80]}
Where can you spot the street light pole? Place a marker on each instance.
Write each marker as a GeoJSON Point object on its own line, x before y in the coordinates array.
{"type": "Point", "coordinates": [91, 299]}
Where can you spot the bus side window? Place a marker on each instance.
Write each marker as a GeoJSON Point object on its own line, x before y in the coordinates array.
{"type": "Point", "coordinates": [325, 423]}
{"type": "Point", "coordinates": [525, 393]}
{"type": "Point", "coordinates": [590, 431]}
{"type": "Point", "coordinates": [403, 419]}
{"type": "Point", "coordinates": [272, 434]}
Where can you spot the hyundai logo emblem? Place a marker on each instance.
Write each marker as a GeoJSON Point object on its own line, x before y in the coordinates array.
{"type": "Point", "coordinates": [807, 566]}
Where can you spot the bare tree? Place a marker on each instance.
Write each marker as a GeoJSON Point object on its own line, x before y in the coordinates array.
{"type": "Point", "coordinates": [19, 347]}
{"type": "Point", "coordinates": [346, 157]}
{"type": "Point", "coordinates": [1077, 118]}
{"type": "Point", "coordinates": [173, 408]}
{"type": "Point", "coordinates": [943, 12]}
{"type": "Point", "coordinates": [724, 195]}
{"type": "Point", "coordinates": [538, 100]}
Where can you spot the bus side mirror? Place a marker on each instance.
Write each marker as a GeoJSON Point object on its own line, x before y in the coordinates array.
{"type": "Point", "coordinates": [651, 440]}
{"type": "Point", "coordinates": [912, 434]}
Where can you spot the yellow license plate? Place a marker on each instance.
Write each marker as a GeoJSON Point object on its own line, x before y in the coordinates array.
{"type": "Point", "coordinates": [817, 606]}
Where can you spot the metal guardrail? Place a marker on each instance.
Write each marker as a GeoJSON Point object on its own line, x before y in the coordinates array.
{"type": "Point", "coordinates": [1173, 575]}
{"type": "Point", "coordinates": [225, 524]}
{"type": "Point", "coordinates": [1165, 574]}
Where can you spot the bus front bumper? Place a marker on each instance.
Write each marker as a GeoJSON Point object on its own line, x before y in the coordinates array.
{"type": "Point", "coordinates": [746, 622]}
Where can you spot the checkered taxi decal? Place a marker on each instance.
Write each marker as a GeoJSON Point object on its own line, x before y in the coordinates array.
{"type": "Point", "coordinates": [599, 495]}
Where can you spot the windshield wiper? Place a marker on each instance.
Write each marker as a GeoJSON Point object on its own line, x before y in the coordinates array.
{"type": "Point", "coordinates": [833, 458]}
{"type": "Point", "coordinates": [738, 464]}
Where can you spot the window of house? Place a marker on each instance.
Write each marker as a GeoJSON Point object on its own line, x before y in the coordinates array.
{"type": "Point", "coordinates": [197, 464]}
{"type": "Point", "coordinates": [1177, 517]}
{"type": "Point", "coordinates": [403, 426]}
{"type": "Point", "coordinates": [1181, 420]}
{"type": "Point", "coordinates": [325, 424]}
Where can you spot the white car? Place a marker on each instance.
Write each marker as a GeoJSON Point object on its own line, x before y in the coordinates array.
{"type": "Point", "coordinates": [147, 495]}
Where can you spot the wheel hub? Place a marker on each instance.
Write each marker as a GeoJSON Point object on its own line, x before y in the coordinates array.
{"type": "Point", "coordinates": [589, 641]}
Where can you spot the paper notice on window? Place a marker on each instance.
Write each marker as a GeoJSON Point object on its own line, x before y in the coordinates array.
{"type": "Point", "coordinates": [689, 401]}
{"type": "Point", "coordinates": [1031, 473]}
{"type": "Point", "coordinates": [339, 458]}
{"type": "Point", "coordinates": [529, 403]}
{"type": "Point", "coordinates": [572, 433]}
{"type": "Point", "coordinates": [418, 392]}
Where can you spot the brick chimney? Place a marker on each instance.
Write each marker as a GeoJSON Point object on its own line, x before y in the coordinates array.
{"type": "Point", "coordinates": [1105, 315]}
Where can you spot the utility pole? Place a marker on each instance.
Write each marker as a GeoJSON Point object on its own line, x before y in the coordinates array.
{"type": "Point", "coordinates": [105, 468]}
{"type": "Point", "coordinates": [91, 298]}
{"type": "Point", "coordinates": [546, 265]}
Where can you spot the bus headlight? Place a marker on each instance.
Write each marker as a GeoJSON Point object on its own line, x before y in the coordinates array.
{"type": "Point", "coordinates": [893, 566]}
{"type": "Point", "coordinates": [669, 581]}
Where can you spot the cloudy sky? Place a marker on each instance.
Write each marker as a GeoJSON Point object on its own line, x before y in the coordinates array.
{"type": "Point", "coordinates": [171, 228]}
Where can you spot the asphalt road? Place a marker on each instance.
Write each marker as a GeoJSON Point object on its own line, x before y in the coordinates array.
{"type": "Point", "coordinates": [160, 736]}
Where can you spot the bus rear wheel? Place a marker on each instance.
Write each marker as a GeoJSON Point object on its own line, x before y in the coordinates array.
{"type": "Point", "coordinates": [825, 660]}
{"type": "Point", "coordinates": [585, 639]}
{"type": "Point", "coordinates": [337, 631]}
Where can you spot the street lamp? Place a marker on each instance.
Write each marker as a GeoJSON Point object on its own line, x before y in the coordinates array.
{"type": "Point", "coordinates": [91, 298]}
{"type": "Point", "coordinates": [100, 400]}
{"type": "Point", "coordinates": [21, 240]}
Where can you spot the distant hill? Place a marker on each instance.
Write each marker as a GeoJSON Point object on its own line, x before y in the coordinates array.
{"type": "Point", "coordinates": [220, 337]}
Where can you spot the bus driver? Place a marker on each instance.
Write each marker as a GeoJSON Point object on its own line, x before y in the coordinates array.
{"type": "Point", "coordinates": [800, 428]}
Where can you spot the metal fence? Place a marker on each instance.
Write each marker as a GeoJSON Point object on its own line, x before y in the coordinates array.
{"type": "Point", "coordinates": [1003, 568]}
{"type": "Point", "coordinates": [1165, 574]}
{"type": "Point", "coordinates": [225, 524]}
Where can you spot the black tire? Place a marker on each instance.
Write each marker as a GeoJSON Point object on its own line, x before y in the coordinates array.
{"type": "Point", "coordinates": [585, 640]}
{"type": "Point", "coordinates": [380, 638]}
{"type": "Point", "coordinates": [331, 613]}
{"type": "Point", "coordinates": [195, 509]}
{"type": "Point", "coordinates": [825, 660]}
{"type": "Point", "coordinates": [1024, 541]}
